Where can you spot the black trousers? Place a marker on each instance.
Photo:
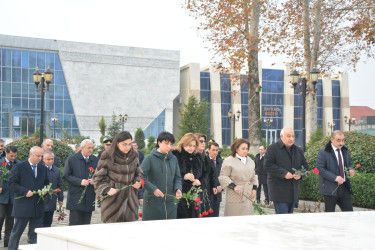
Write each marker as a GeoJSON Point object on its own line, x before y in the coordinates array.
{"type": "Point", "coordinates": [47, 218]}
{"type": "Point", "coordinates": [79, 218]}
{"type": "Point", "coordinates": [343, 199]}
{"type": "Point", "coordinates": [18, 228]}
{"type": "Point", "coordinates": [265, 190]}
{"type": "Point", "coordinates": [6, 215]}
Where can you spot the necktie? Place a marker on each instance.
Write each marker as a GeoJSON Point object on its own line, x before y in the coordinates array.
{"type": "Point", "coordinates": [34, 169]}
{"type": "Point", "coordinates": [340, 163]}
{"type": "Point", "coordinates": [10, 164]}
{"type": "Point", "coordinates": [49, 168]}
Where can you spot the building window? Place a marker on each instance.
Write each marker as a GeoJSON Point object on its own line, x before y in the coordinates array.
{"type": "Point", "coordinates": [336, 106]}
{"type": "Point", "coordinates": [156, 127]}
{"type": "Point", "coordinates": [244, 107]}
{"type": "Point", "coordinates": [20, 103]}
{"type": "Point", "coordinates": [206, 96]}
{"type": "Point", "coordinates": [226, 97]}
{"type": "Point", "coordinates": [272, 105]}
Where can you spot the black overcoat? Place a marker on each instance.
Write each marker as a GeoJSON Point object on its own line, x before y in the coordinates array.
{"type": "Point", "coordinates": [76, 169]}
{"type": "Point", "coordinates": [22, 180]}
{"type": "Point", "coordinates": [219, 163]}
{"type": "Point", "coordinates": [260, 170]}
{"type": "Point", "coordinates": [279, 160]}
{"type": "Point", "coordinates": [54, 177]}
{"type": "Point", "coordinates": [6, 196]}
{"type": "Point", "coordinates": [328, 167]}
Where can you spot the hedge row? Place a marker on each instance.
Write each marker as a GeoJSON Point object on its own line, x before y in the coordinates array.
{"type": "Point", "coordinates": [363, 187]}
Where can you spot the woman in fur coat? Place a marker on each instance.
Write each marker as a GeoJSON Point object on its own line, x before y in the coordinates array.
{"type": "Point", "coordinates": [238, 178]}
{"type": "Point", "coordinates": [117, 167]}
{"type": "Point", "coordinates": [190, 165]}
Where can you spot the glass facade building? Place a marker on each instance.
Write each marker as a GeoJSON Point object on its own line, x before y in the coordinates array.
{"type": "Point", "coordinates": [20, 102]}
{"type": "Point", "coordinates": [156, 127]}
{"type": "Point", "coordinates": [336, 106]}
{"type": "Point", "coordinates": [226, 98]}
{"type": "Point", "coordinates": [272, 106]}
{"type": "Point", "coordinates": [206, 95]}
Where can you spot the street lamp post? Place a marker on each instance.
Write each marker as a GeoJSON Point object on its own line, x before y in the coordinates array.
{"type": "Point", "coordinates": [234, 118]}
{"type": "Point", "coordinates": [350, 121]}
{"type": "Point", "coordinates": [331, 125]}
{"type": "Point", "coordinates": [123, 119]}
{"type": "Point", "coordinates": [268, 122]}
{"type": "Point", "coordinates": [44, 79]}
{"type": "Point", "coordinates": [54, 120]}
{"type": "Point", "coordinates": [295, 77]}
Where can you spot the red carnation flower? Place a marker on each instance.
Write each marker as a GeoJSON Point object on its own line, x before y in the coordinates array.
{"type": "Point", "coordinates": [210, 211]}
{"type": "Point", "coordinates": [98, 198]}
{"type": "Point", "coordinates": [205, 213]}
{"type": "Point", "coordinates": [140, 215]}
{"type": "Point", "coordinates": [4, 163]}
{"type": "Point", "coordinates": [57, 190]}
{"type": "Point", "coordinates": [142, 182]}
{"type": "Point", "coordinates": [200, 216]}
{"type": "Point", "coordinates": [315, 171]}
{"type": "Point", "coordinates": [197, 200]}
{"type": "Point", "coordinates": [195, 207]}
{"type": "Point", "coordinates": [358, 165]}
{"type": "Point", "coordinates": [58, 218]}
{"type": "Point", "coordinates": [91, 169]}
{"type": "Point", "coordinates": [62, 218]}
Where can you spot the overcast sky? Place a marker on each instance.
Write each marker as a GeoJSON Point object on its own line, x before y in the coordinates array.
{"type": "Point", "coordinates": [160, 24]}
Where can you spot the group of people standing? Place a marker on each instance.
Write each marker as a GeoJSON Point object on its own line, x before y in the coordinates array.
{"type": "Point", "coordinates": [19, 205]}
{"type": "Point", "coordinates": [167, 172]}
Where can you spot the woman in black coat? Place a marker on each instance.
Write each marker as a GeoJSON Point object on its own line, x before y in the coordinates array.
{"type": "Point", "coordinates": [191, 171]}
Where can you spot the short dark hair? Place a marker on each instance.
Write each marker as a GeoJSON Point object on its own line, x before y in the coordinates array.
{"type": "Point", "coordinates": [237, 144]}
{"type": "Point", "coordinates": [164, 136]}
{"type": "Point", "coordinates": [263, 147]}
{"type": "Point", "coordinates": [213, 144]}
{"type": "Point", "coordinates": [11, 148]}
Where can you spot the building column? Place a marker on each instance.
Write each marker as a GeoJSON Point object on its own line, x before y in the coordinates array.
{"type": "Point", "coordinates": [344, 100]}
{"type": "Point", "coordinates": [216, 128]}
{"type": "Point", "coordinates": [288, 115]}
{"type": "Point", "coordinates": [327, 104]}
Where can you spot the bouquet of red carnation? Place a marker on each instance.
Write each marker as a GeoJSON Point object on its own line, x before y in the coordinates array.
{"type": "Point", "coordinates": [92, 170]}
{"type": "Point", "coordinates": [61, 213]}
{"type": "Point", "coordinates": [4, 171]}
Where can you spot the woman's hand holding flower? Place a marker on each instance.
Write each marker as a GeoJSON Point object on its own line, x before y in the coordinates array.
{"type": "Point", "coordinates": [178, 194]}
{"type": "Point", "coordinates": [189, 177]}
{"type": "Point", "coordinates": [238, 190]}
{"type": "Point", "coordinates": [253, 194]}
{"type": "Point", "coordinates": [158, 193]}
{"type": "Point", "coordinates": [196, 182]}
{"type": "Point", "coordinates": [112, 191]}
{"type": "Point", "coordinates": [137, 185]}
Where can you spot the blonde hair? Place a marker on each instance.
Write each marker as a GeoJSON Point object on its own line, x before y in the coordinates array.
{"type": "Point", "coordinates": [186, 140]}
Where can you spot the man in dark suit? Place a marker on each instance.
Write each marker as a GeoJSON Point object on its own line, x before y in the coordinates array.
{"type": "Point", "coordinates": [7, 197]}
{"type": "Point", "coordinates": [47, 145]}
{"type": "Point", "coordinates": [54, 177]}
{"type": "Point", "coordinates": [262, 174]}
{"type": "Point", "coordinates": [216, 162]}
{"type": "Point", "coordinates": [331, 163]}
{"type": "Point", "coordinates": [2, 152]}
{"type": "Point", "coordinates": [283, 183]}
{"type": "Point", "coordinates": [77, 173]}
{"type": "Point", "coordinates": [26, 177]}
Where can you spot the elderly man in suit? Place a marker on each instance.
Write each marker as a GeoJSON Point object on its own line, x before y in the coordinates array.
{"type": "Point", "coordinates": [26, 177]}
{"type": "Point", "coordinates": [76, 173]}
{"type": "Point", "coordinates": [7, 197]}
{"type": "Point", "coordinates": [282, 181]}
{"type": "Point", "coordinates": [54, 177]}
{"type": "Point", "coordinates": [2, 152]}
{"type": "Point", "coordinates": [47, 145]}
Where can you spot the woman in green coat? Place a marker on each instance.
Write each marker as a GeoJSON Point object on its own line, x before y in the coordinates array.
{"type": "Point", "coordinates": [162, 177]}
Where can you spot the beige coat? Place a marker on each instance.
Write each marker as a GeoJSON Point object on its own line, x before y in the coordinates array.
{"type": "Point", "coordinates": [243, 175]}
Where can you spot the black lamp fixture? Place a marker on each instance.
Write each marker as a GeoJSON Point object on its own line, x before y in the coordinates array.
{"type": "Point", "coordinates": [123, 119]}
{"type": "Point", "coordinates": [234, 117]}
{"type": "Point", "coordinates": [314, 79]}
{"type": "Point", "coordinates": [54, 120]}
{"type": "Point", "coordinates": [349, 121]}
{"type": "Point", "coordinates": [44, 79]}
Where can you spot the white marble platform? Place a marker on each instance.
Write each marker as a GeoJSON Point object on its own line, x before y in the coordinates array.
{"type": "Point", "coordinates": [352, 230]}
